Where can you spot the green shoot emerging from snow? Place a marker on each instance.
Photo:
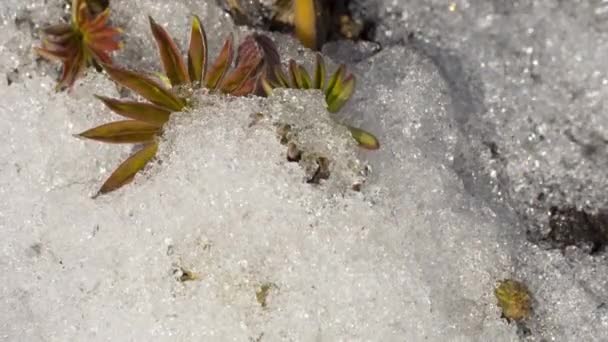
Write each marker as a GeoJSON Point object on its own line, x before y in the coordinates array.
{"type": "Point", "coordinates": [256, 70]}
{"type": "Point", "coordinates": [337, 89]}
{"type": "Point", "coordinates": [146, 119]}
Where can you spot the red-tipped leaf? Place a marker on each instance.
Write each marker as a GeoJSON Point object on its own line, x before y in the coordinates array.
{"type": "Point", "coordinates": [146, 87]}
{"type": "Point", "coordinates": [145, 112]}
{"type": "Point", "coordinates": [218, 70]}
{"type": "Point", "coordinates": [172, 61]}
{"type": "Point", "coordinates": [249, 86]}
{"type": "Point", "coordinates": [122, 132]}
{"type": "Point", "coordinates": [197, 53]}
{"type": "Point", "coordinates": [127, 170]}
{"type": "Point", "coordinates": [242, 73]}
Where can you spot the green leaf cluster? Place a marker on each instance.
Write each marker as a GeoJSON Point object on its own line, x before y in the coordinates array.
{"type": "Point", "coordinates": [338, 88]}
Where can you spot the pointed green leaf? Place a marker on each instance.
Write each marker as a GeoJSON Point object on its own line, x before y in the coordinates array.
{"type": "Point", "coordinates": [281, 77]}
{"type": "Point", "coordinates": [164, 80]}
{"type": "Point", "coordinates": [145, 87]}
{"type": "Point", "coordinates": [335, 78]}
{"type": "Point", "coordinates": [218, 70]}
{"type": "Point", "coordinates": [296, 77]}
{"type": "Point", "coordinates": [266, 86]}
{"type": "Point", "coordinates": [197, 53]}
{"type": "Point", "coordinates": [127, 170]}
{"type": "Point", "coordinates": [172, 61]}
{"type": "Point", "coordinates": [340, 93]}
{"type": "Point", "coordinates": [304, 78]}
{"type": "Point", "coordinates": [365, 139]}
{"type": "Point", "coordinates": [121, 132]}
{"type": "Point", "coordinates": [319, 78]}
{"type": "Point", "coordinates": [145, 112]}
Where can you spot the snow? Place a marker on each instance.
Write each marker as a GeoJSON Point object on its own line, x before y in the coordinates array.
{"type": "Point", "coordinates": [527, 83]}
{"type": "Point", "coordinates": [415, 255]}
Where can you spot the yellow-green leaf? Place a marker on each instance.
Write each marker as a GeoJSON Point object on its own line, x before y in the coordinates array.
{"type": "Point", "coordinates": [266, 86]}
{"type": "Point", "coordinates": [145, 112]}
{"type": "Point", "coordinates": [335, 78]}
{"type": "Point", "coordinates": [146, 87]}
{"type": "Point", "coordinates": [120, 132]}
{"type": "Point", "coordinates": [172, 61]}
{"type": "Point", "coordinates": [340, 93]}
{"type": "Point", "coordinates": [514, 299]}
{"type": "Point", "coordinates": [319, 78]}
{"type": "Point", "coordinates": [304, 78]}
{"type": "Point", "coordinates": [164, 80]}
{"type": "Point", "coordinates": [197, 53]}
{"type": "Point", "coordinates": [296, 77]}
{"type": "Point", "coordinates": [218, 70]}
{"type": "Point", "coordinates": [365, 139]}
{"type": "Point", "coordinates": [281, 77]}
{"type": "Point", "coordinates": [127, 170]}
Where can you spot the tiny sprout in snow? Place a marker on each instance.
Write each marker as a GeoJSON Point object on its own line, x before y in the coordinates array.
{"type": "Point", "coordinates": [514, 299]}
{"type": "Point", "coordinates": [337, 89]}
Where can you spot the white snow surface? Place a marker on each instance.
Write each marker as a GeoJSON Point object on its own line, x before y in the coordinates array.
{"type": "Point", "coordinates": [414, 256]}
{"type": "Point", "coordinates": [528, 88]}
